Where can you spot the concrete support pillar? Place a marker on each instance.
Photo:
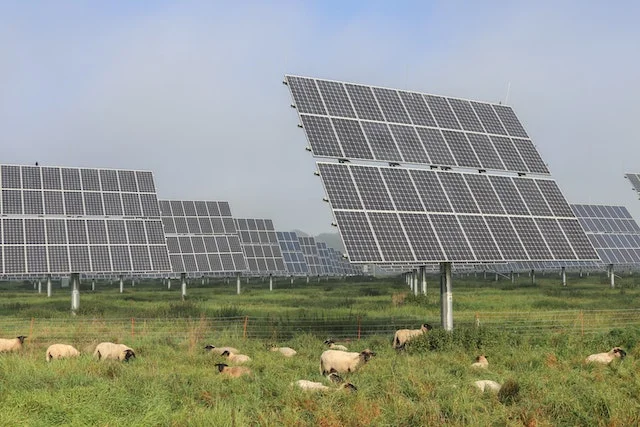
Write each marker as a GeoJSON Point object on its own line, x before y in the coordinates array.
{"type": "Point", "coordinates": [270, 282]}
{"type": "Point", "coordinates": [75, 292]}
{"type": "Point", "coordinates": [416, 288]}
{"type": "Point", "coordinates": [423, 278]}
{"type": "Point", "coordinates": [168, 283]}
{"type": "Point", "coordinates": [39, 286]}
{"type": "Point", "coordinates": [49, 285]}
{"type": "Point", "coordinates": [612, 277]}
{"type": "Point", "coordinates": [93, 284]}
{"type": "Point", "coordinates": [307, 280]}
{"type": "Point", "coordinates": [533, 277]}
{"type": "Point", "coordinates": [238, 284]}
{"type": "Point", "coordinates": [446, 296]}
{"type": "Point", "coordinates": [121, 284]}
{"type": "Point", "coordinates": [183, 278]}
{"type": "Point", "coordinates": [564, 277]}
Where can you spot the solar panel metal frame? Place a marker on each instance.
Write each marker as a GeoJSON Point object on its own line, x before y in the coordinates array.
{"type": "Point", "coordinates": [260, 246]}
{"type": "Point", "coordinates": [292, 254]}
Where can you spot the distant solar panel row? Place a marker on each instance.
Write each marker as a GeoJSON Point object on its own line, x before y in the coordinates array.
{"type": "Point", "coordinates": [310, 251]}
{"type": "Point", "coordinates": [260, 245]}
{"type": "Point", "coordinates": [388, 214]}
{"type": "Point", "coordinates": [634, 179]}
{"type": "Point", "coordinates": [344, 120]}
{"type": "Point", "coordinates": [612, 231]}
{"type": "Point", "coordinates": [292, 254]}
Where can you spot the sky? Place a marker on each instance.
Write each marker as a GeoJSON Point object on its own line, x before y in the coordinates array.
{"type": "Point", "coordinates": [193, 90]}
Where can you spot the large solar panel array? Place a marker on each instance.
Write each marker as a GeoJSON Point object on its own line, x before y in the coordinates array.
{"type": "Point", "coordinates": [201, 237]}
{"type": "Point", "coordinates": [634, 179]}
{"type": "Point", "coordinates": [419, 215]}
{"type": "Point", "coordinates": [294, 259]}
{"type": "Point", "coordinates": [612, 231]}
{"type": "Point", "coordinates": [311, 256]}
{"type": "Point", "coordinates": [344, 120]}
{"type": "Point", "coordinates": [400, 215]}
{"type": "Point", "coordinates": [260, 245]}
{"type": "Point", "coordinates": [59, 220]}
{"type": "Point", "coordinates": [341, 266]}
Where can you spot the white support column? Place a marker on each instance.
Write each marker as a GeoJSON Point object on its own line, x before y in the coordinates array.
{"type": "Point", "coordinates": [133, 282]}
{"type": "Point", "coordinates": [496, 276]}
{"type": "Point", "coordinates": [75, 292]}
{"type": "Point", "coordinates": [48, 285]}
{"type": "Point", "coordinates": [270, 282]}
{"type": "Point", "coordinates": [423, 278]}
{"type": "Point", "coordinates": [612, 277]}
{"type": "Point", "coordinates": [203, 281]}
{"type": "Point", "coordinates": [307, 279]}
{"type": "Point", "coordinates": [564, 277]}
{"type": "Point", "coordinates": [183, 278]}
{"type": "Point", "coordinates": [39, 286]}
{"type": "Point", "coordinates": [238, 283]}
{"type": "Point", "coordinates": [291, 280]}
{"type": "Point", "coordinates": [533, 277]}
{"type": "Point", "coordinates": [446, 297]}
{"type": "Point", "coordinates": [416, 288]}
{"type": "Point", "coordinates": [247, 280]}
{"type": "Point", "coordinates": [121, 284]}
{"type": "Point", "coordinates": [93, 284]}
{"type": "Point", "coordinates": [513, 278]}
{"type": "Point", "coordinates": [485, 274]}
{"type": "Point", "coordinates": [169, 283]}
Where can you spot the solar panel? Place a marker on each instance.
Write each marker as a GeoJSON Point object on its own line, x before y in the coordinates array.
{"type": "Point", "coordinates": [311, 256]}
{"type": "Point", "coordinates": [55, 221]}
{"type": "Point", "coordinates": [294, 259]}
{"type": "Point", "coordinates": [634, 179]}
{"type": "Point", "coordinates": [451, 216]}
{"type": "Point", "coordinates": [373, 123]}
{"type": "Point", "coordinates": [612, 231]}
{"type": "Point", "coordinates": [201, 237]}
{"type": "Point", "coordinates": [325, 260]}
{"type": "Point", "coordinates": [260, 246]}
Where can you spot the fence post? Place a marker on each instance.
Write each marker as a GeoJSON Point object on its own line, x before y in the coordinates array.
{"type": "Point", "coordinates": [244, 332]}
{"type": "Point", "coordinates": [133, 322]}
{"type": "Point", "coordinates": [359, 327]}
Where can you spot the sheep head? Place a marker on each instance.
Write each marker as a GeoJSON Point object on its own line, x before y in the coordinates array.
{"type": "Point", "coordinates": [618, 352]}
{"type": "Point", "coordinates": [128, 354]}
{"type": "Point", "coordinates": [209, 347]}
{"type": "Point", "coordinates": [226, 353]}
{"type": "Point", "coordinates": [366, 355]}
{"type": "Point", "coordinates": [21, 338]}
{"type": "Point", "coordinates": [481, 358]}
{"type": "Point", "coordinates": [335, 378]}
{"type": "Point", "coordinates": [221, 366]}
{"type": "Point", "coordinates": [329, 342]}
{"type": "Point", "coordinates": [350, 387]}
{"type": "Point", "coordinates": [426, 327]}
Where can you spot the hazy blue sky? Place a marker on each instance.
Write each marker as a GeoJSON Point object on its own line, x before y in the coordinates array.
{"type": "Point", "coordinates": [193, 90]}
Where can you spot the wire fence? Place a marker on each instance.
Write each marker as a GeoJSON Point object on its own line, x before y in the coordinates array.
{"type": "Point", "coordinates": [278, 328]}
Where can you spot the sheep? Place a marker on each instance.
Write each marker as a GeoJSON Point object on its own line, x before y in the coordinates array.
{"type": "Point", "coordinates": [606, 358]}
{"type": "Point", "coordinates": [109, 350]}
{"type": "Point", "coordinates": [481, 362]}
{"type": "Point", "coordinates": [13, 344]}
{"type": "Point", "coordinates": [488, 385]}
{"type": "Point", "coordinates": [220, 350]}
{"type": "Point", "coordinates": [236, 358]}
{"type": "Point", "coordinates": [342, 361]}
{"type": "Point", "coordinates": [333, 346]}
{"type": "Point", "coordinates": [402, 336]}
{"type": "Point", "coordinates": [315, 386]}
{"type": "Point", "coordinates": [233, 371]}
{"type": "Point", "coordinates": [286, 351]}
{"type": "Point", "coordinates": [61, 351]}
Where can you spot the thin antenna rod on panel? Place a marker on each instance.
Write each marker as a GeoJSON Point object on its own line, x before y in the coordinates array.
{"type": "Point", "coordinates": [506, 98]}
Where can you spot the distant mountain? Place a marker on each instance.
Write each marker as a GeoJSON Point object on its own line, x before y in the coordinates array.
{"type": "Point", "coordinates": [332, 240]}
{"type": "Point", "coordinates": [300, 233]}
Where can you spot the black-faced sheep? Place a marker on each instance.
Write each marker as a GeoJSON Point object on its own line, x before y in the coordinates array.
{"type": "Point", "coordinates": [402, 336]}
{"type": "Point", "coordinates": [61, 351]}
{"type": "Point", "coordinates": [488, 385]}
{"type": "Point", "coordinates": [286, 351]}
{"type": "Point", "coordinates": [333, 346]}
{"type": "Point", "coordinates": [606, 358]}
{"type": "Point", "coordinates": [236, 358]}
{"type": "Point", "coordinates": [220, 350]}
{"type": "Point", "coordinates": [342, 361]}
{"type": "Point", "coordinates": [233, 371]}
{"type": "Point", "coordinates": [481, 362]}
{"type": "Point", "coordinates": [109, 350]}
{"type": "Point", "coordinates": [13, 344]}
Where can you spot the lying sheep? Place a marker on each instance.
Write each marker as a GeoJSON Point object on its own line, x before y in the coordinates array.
{"type": "Point", "coordinates": [333, 346]}
{"type": "Point", "coordinates": [13, 344]}
{"type": "Point", "coordinates": [488, 385]}
{"type": "Point", "coordinates": [402, 336]}
{"type": "Point", "coordinates": [286, 351]}
{"type": "Point", "coordinates": [342, 361]}
{"type": "Point", "coordinates": [109, 350]}
{"type": "Point", "coordinates": [233, 371]}
{"type": "Point", "coordinates": [315, 386]}
{"type": "Point", "coordinates": [61, 351]}
{"type": "Point", "coordinates": [481, 362]}
{"type": "Point", "coordinates": [606, 358]}
{"type": "Point", "coordinates": [220, 350]}
{"type": "Point", "coordinates": [236, 358]}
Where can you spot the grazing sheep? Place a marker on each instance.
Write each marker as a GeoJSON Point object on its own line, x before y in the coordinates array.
{"type": "Point", "coordinates": [61, 351]}
{"type": "Point", "coordinates": [606, 358]}
{"type": "Point", "coordinates": [13, 344]}
{"type": "Point", "coordinates": [236, 358]}
{"type": "Point", "coordinates": [488, 385]}
{"type": "Point", "coordinates": [402, 336]}
{"type": "Point", "coordinates": [333, 346]}
{"type": "Point", "coordinates": [342, 361]}
{"type": "Point", "coordinates": [481, 362]}
{"type": "Point", "coordinates": [220, 350]}
{"type": "Point", "coordinates": [109, 350]}
{"type": "Point", "coordinates": [286, 351]}
{"type": "Point", "coordinates": [233, 371]}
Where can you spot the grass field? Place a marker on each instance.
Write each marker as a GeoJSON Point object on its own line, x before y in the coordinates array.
{"type": "Point", "coordinates": [535, 338]}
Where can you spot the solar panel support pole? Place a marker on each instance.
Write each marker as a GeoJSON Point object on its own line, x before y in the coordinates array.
{"type": "Point", "coordinates": [183, 277]}
{"type": "Point", "coordinates": [39, 286]}
{"type": "Point", "coordinates": [75, 292]}
{"type": "Point", "coordinates": [533, 277]}
{"type": "Point", "coordinates": [513, 278]}
{"type": "Point", "coordinates": [121, 284]}
{"type": "Point", "coordinates": [169, 283]}
{"type": "Point", "coordinates": [291, 280]}
{"type": "Point", "coordinates": [307, 279]}
{"type": "Point", "coordinates": [612, 277]}
{"type": "Point", "coordinates": [238, 283]}
{"type": "Point", "coordinates": [423, 277]}
{"type": "Point", "coordinates": [446, 297]}
{"type": "Point", "coordinates": [48, 285]}
{"type": "Point", "coordinates": [93, 284]}
{"type": "Point", "coordinates": [416, 289]}
{"type": "Point", "coordinates": [270, 282]}
{"type": "Point", "coordinates": [564, 277]}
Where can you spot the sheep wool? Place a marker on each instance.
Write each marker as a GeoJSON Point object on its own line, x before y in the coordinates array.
{"type": "Point", "coordinates": [333, 346]}
{"type": "Point", "coordinates": [285, 351]}
{"type": "Point", "coordinates": [109, 350]}
{"type": "Point", "coordinates": [220, 350]}
{"type": "Point", "coordinates": [310, 385]}
{"type": "Point", "coordinates": [233, 371]}
{"type": "Point", "coordinates": [488, 385]}
{"type": "Point", "coordinates": [481, 362]}
{"type": "Point", "coordinates": [13, 344]}
{"type": "Point", "coordinates": [606, 358]}
{"type": "Point", "coordinates": [236, 358]}
{"type": "Point", "coordinates": [402, 336]}
{"type": "Point", "coordinates": [61, 351]}
{"type": "Point", "coordinates": [342, 361]}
